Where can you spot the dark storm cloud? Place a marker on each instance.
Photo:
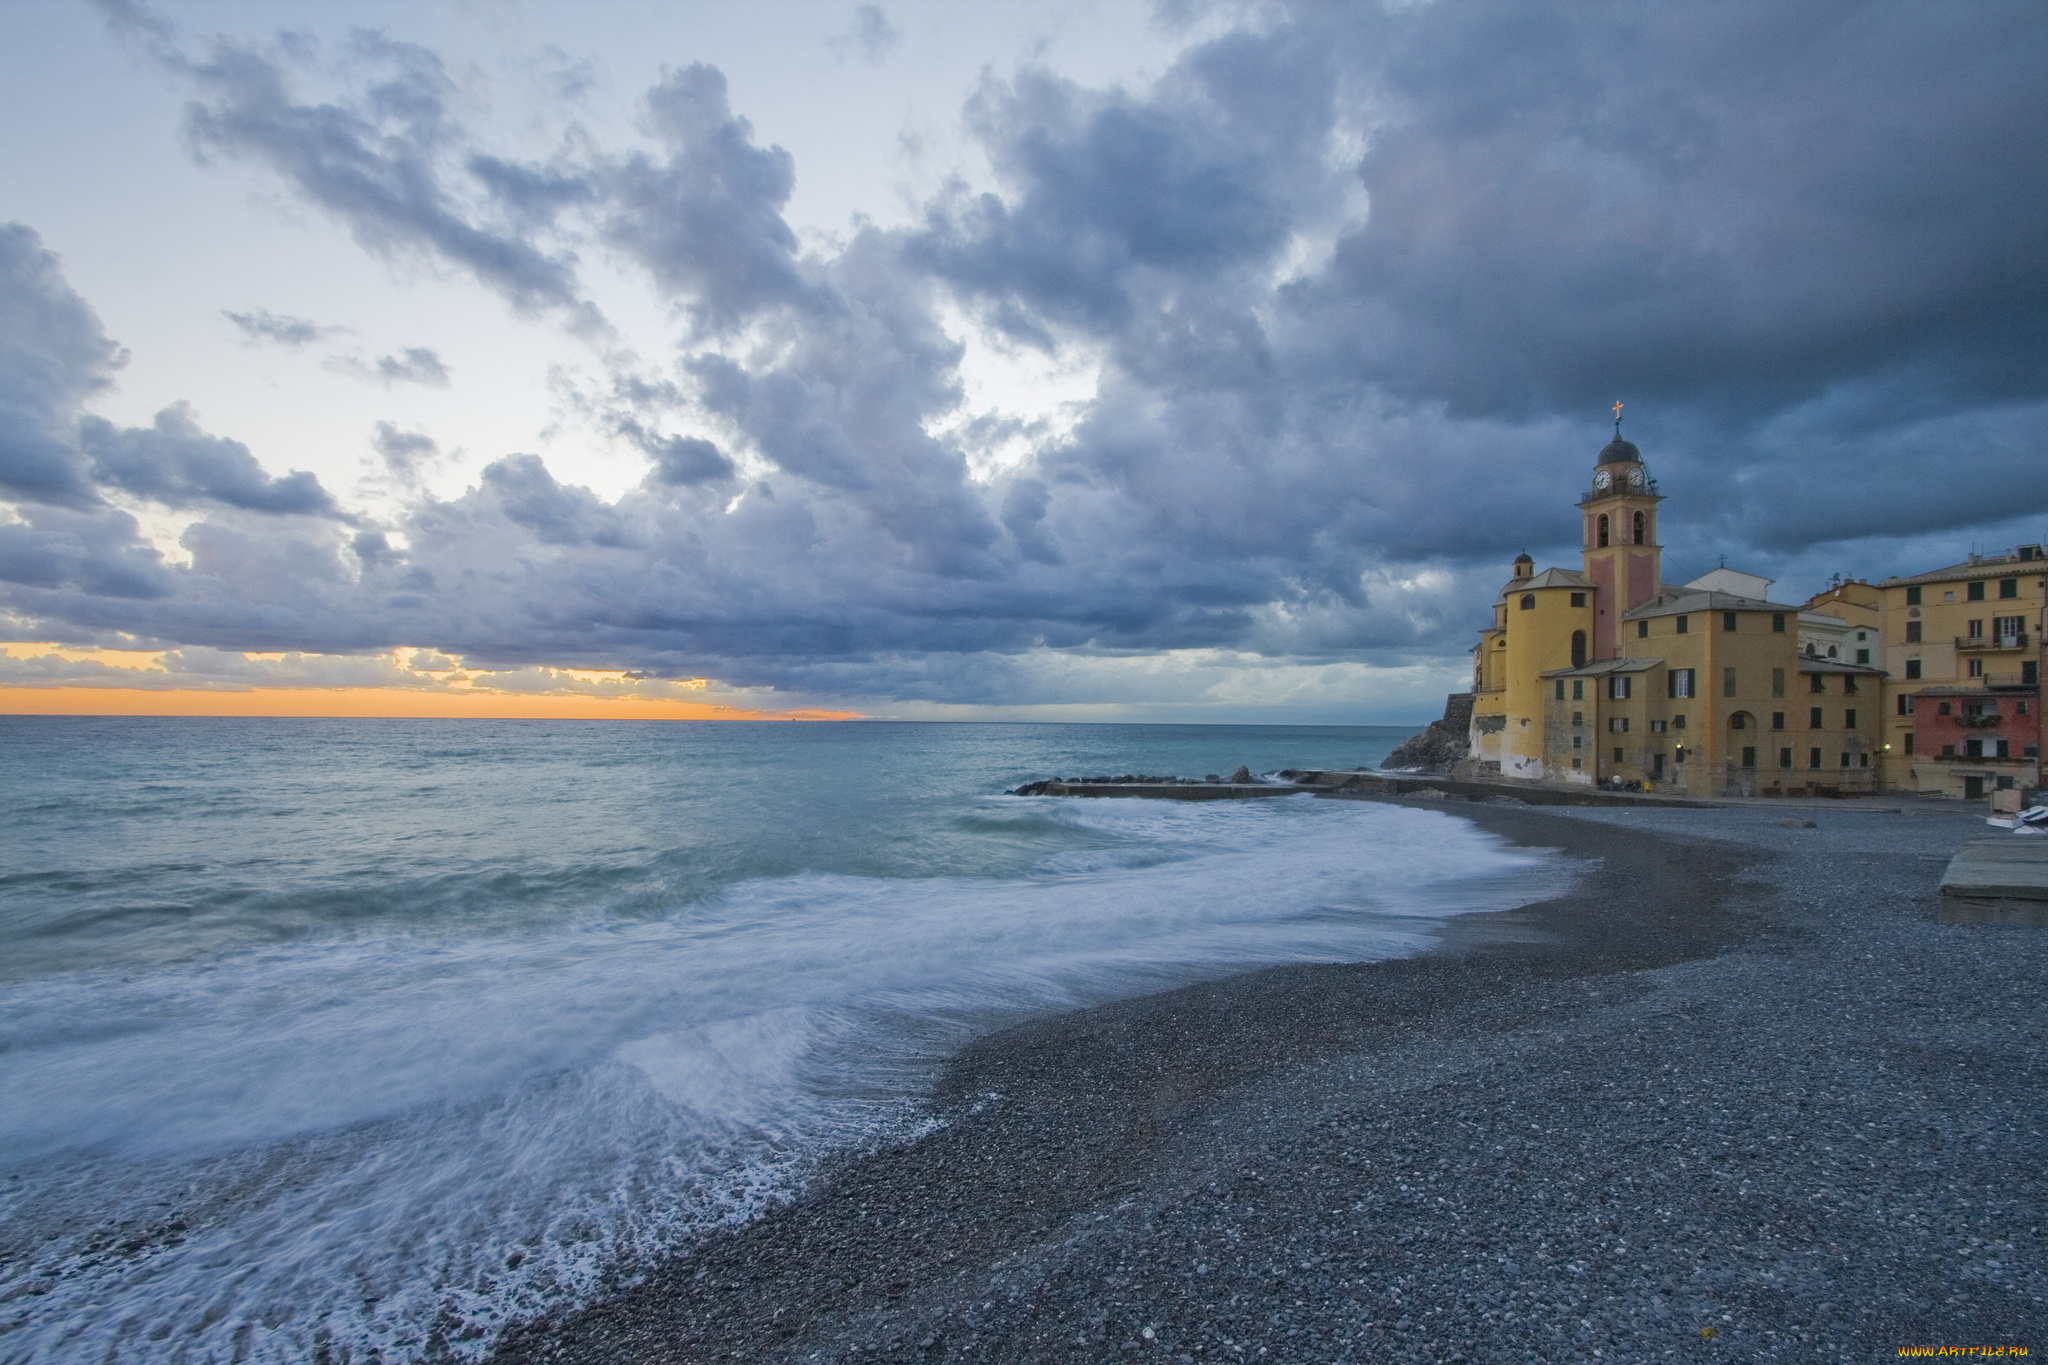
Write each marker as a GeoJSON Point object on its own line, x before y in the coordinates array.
{"type": "Point", "coordinates": [53, 356]}
{"type": "Point", "coordinates": [175, 463]}
{"type": "Point", "coordinates": [404, 452]}
{"type": "Point", "coordinates": [1359, 285]}
{"type": "Point", "coordinates": [260, 324]}
{"type": "Point", "coordinates": [378, 163]}
{"type": "Point", "coordinates": [705, 218]}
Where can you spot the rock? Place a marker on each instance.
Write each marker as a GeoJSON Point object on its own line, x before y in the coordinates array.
{"type": "Point", "coordinates": [1212, 778]}
{"type": "Point", "coordinates": [1435, 750]}
{"type": "Point", "coordinates": [1243, 774]}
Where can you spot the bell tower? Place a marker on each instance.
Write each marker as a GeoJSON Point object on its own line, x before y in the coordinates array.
{"type": "Point", "coordinates": [1622, 556]}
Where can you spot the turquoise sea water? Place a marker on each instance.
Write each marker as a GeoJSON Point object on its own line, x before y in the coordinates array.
{"type": "Point", "coordinates": [379, 1034]}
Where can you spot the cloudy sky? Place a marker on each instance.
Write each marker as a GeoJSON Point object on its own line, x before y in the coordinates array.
{"type": "Point", "coordinates": [1066, 360]}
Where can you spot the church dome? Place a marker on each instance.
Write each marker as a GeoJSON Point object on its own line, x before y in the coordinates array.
{"type": "Point", "coordinates": [1619, 451]}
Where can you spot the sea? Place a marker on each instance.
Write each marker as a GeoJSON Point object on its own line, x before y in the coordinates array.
{"type": "Point", "coordinates": [330, 1040]}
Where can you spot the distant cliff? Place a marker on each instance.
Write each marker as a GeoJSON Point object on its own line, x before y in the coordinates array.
{"type": "Point", "coordinates": [1443, 744]}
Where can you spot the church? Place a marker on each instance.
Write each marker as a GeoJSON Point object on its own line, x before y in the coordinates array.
{"type": "Point", "coordinates": [1607, 674]}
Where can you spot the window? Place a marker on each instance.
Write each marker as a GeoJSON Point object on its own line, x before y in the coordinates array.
{"type": "Point", "coordinates": [2008, 629]}
{"type": "Point", "coordinates": [1909, 741]}
{"type": "Point", "coordinates": [1578, 717]}
{"type": "Point", "coordinates": [1739, 721]}
{"type": "Point", "coordinates": [1813, 758]}
{"type": "Point", "coordinates": [1777, 682]}
{"type": "Point", "coordinates": [1578, 599]}
{"type": "Point", "coordinates": [1905, 704]}
{"type": "Point", "coordinates": [1749, 758]}
{"type": "Point", "coordinates": [1817, 682]}
{"type": "Point", "coordinates": [1657, 727]}
{"type": "Point", "coordinates": [1642, 526]}
{"type": "Point", "coordinates": [1777, 720]}
{"type": "Point", "coordinates": [1678, 754]}
{"type": "Point", "coordinates": [1642, 630]}
{"type": "Point", "coordinates": [1849, 719]}
{"type": "Point", "coordinates": [1560, 689]}
{"type": "Point", "coordinates": [2022, 708]}
{"type": "Point", "coordinates": [1949, 596]}
{"type": "Point", "coordinates": [2030, 673]}
{"type": "Point", "coordinates": [1528, 601]}
{"type": "Point", "coordinates": [2008, 587]}
{"type": "Point", "coordinates": [1912, 632]}
{"type": "Point", "coordinates": [1976, 592]}
{"type": "Point", "coordinates": [1912, 668]}
{"type": "Point", "coordinates": [1600, 532]}
{"type": "Point", "coordinates": [1617, 725]}
{"type": "Point", "coordinates": [1813, 721]}
{"type": "Point", "coordinates": [1576, 763]}
{"type": "Point", "coordinates": [1976, 668]}
{"type": "Point", "coordinates": [1727, 620]}
{"type": "Point", "coordinates": [1863, 760]}
{"type": "Point", "coordinates": [1861, 636]}
{"type": "Point", "coordinates": [1848, 684]}
{"type": "Point", "coordinates": [1617, 688]}
{"type": "Point", "coordinates": [1678, 682]}
{"type": "Point", "coordinates": [1784, 758]}
{"type": "Point", "coordinates": [1578, 741]}
{"type": "Point", "coordinates": [1976, 629]}
{"type": "Point", "coordinates": [1845, 760]}
{"type": "Point", "coordinates": [1863, 657]}
{"type": "Point", "coordinates": [1682, 624]}
{"type": "Point", "coordinates": [1912, 597]}
{"type": "Point", "coordinates": [1831, 651]}
{"type": "Point", "coordinates": [1617, 753]}
{"type": "Point", "coordinates": [1578, 689]}
{"type": "Point", "coordinates": [1942, 709]}
{"type": "Point", "coordinates": [1778, 622]}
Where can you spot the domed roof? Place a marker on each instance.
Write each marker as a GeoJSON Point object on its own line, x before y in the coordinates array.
{"type": "Point", "coordinates": [1619, 451]}
{"type": "Point", "coordinates": [1523, 558]}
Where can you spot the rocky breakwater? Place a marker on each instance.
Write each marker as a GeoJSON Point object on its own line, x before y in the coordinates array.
{"type": "Point", "coordinates": [1240, 783]}
{"type": "Point", "coordinates": [1441, 746]}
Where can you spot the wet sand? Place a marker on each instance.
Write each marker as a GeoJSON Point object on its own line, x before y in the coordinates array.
{"type": "Point", "coordinates": [1735, 1097]}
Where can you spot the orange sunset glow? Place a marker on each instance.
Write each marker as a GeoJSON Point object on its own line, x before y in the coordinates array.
{"type": "Point", "coordinates": [54, 680]}
{"type": "Point", "coordinates": [373, 702]}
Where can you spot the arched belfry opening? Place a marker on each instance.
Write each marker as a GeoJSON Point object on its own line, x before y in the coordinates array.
{"type": "Point", "coordinates": [1642, 529]}
{"type": "Point", "coordinates": [1600, 532]}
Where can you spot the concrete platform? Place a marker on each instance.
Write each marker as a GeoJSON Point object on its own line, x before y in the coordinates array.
{"type": "Point", "coordinates": [1997, 879]}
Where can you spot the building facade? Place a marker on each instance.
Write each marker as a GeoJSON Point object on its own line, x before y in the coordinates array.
{"type": "Point", "coordinates": [1963, 649]}
{"type": "Point", "coordinates": [1607, 674]}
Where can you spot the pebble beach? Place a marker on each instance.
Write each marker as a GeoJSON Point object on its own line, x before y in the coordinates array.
{"type": "Point", "coordinates": [1737, 1096]}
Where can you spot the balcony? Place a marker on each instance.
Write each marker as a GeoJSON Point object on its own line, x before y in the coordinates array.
{"type": "Point", "coordinates": [1991, 642]}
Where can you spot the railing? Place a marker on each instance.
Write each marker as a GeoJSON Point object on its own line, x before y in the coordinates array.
{"type": "Point", "coordinates": [2018, 641]}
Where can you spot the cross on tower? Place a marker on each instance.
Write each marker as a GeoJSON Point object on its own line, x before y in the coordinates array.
{"type": "Point", "coordinates": [1617, 416]}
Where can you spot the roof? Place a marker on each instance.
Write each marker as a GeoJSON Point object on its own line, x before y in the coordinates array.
{"type": "Point", "coordinates": [1600, 668]}
{"type": "Point", "coordinates": [2004, 566]}
{"type": "Point", "coordinates": [1688, 602]}
{"type": "Point", "coordinates": [1809, 664]}
{"type": "Point", "coordinates": [1619, 451]}
{"type": "Point", "coordinates": [1982, 694]}
{"type": "Point", "coordinates": [1549, 578]}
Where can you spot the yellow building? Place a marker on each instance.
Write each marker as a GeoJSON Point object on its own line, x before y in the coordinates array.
{"type": "Point", "coordinates": [1608, 674]}
{"type": "Point", "coordinates": [1962, 646]}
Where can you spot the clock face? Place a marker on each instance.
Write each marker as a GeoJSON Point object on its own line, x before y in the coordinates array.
{"type": "Point", "coordinates": [1635, 478]}
{"type": "Point", "coordinates": [1602, 479]}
